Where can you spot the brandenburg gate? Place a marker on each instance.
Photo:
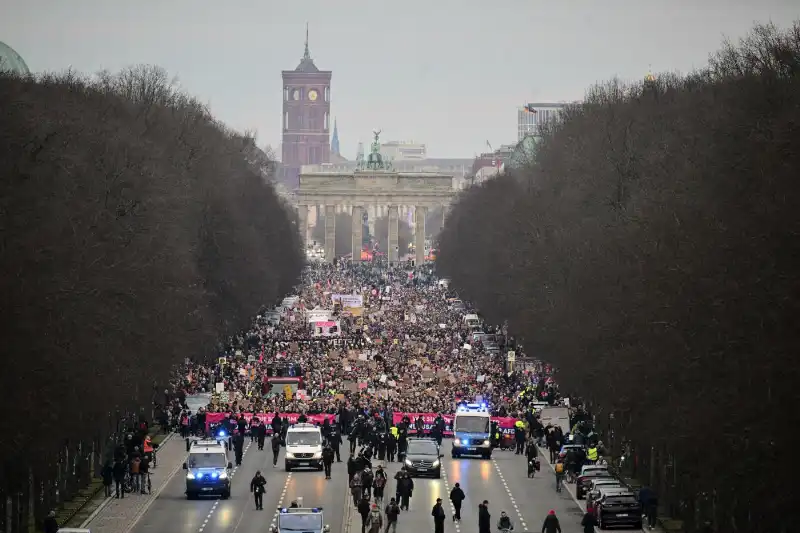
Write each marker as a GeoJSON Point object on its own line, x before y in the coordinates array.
{"type": "Point", "coordinates": [373, 187]}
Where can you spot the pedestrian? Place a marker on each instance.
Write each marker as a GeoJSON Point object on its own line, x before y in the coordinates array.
{"type": "Point", "coordinates": [119, 478]}
{"type": "Point", "coordinates": [50, 523]}
{"type": "Point", "coordinates": [355, 488]}
{"type": "Point", "coordinates": [276, 448]}
{"type": "Point", "coordinates": [327, 459]}
{"type": "Point", "coordinates": [406, 487]}
{"type": "Point", "coordinates": [258, 488]}
{"type": "Point", "coordinates": [144, 473]}
{"type": "Point", "coordinates": [364, 510]}
{"type": "Point", "coordinates": [352, 467]}
{"type": "Point", "coordinates": [367, 478]}
{"type": "Point", "coordinates": [135, 463]}
{"type": "Point", "coordinates": [438, 516]}
{"type": "Point", "coordinates": [484, 518]}
{"type": "Point", "coordinates": [457, 496]}
{"type": "Point", "coordinates": [261, 434]}
{"type": "Point", "coordinates": [588, 522]}
{"type": "Point", "coordinates": [649, 501]}
{"type": "Point", "coordinates": [392, 514]}
{"type": "Point", "coordinates": [375, 520]}
{"type": "Point", "coordinates": [379, 484]}
{"type": "Point", "coordinates": [107, 473]}
{"type": "Point", "coordinates": [551, 524]}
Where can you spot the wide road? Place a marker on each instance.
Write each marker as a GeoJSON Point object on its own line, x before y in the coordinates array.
{"type": "Point", "coordinates": [172, 512]}
{"type": "Point", "coordinates": [501, 480]}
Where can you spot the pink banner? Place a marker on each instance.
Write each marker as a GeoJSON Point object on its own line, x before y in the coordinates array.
{"type": "Point", "coordinates": [506, 424]}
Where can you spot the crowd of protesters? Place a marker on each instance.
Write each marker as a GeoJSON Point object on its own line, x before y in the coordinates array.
{"type": "Point", "coordinates": [407, 349]}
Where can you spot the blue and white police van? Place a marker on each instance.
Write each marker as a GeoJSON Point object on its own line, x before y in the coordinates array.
{"type": "Point", "coordinates": [472, 431]}
{"type": "Point", "coordinates": [208, 470]}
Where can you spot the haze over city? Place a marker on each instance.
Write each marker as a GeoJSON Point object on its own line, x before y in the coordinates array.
{"type": "Point", "coordinates": [450, 73]}
{"type": "Point", "coordinates": [342, 266]}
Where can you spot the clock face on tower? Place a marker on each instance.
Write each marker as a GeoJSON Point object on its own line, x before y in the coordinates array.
{"type": "Point", "coordinates": [312, 95]}
{"type": "Point", "coordinates": [296, 95]}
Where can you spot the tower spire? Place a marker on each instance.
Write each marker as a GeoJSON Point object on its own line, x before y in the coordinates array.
{"type": "Point", "coordinates": [306, 54]}
{"type": "Point", "coordinates": [335, 139]}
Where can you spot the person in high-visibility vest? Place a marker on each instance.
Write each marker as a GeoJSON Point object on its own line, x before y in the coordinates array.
{"type": "Point", "coordinates": [591, 455]}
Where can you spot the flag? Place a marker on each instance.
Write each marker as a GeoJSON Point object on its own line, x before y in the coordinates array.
{"type": "Point", "coordinates": [529, 108]}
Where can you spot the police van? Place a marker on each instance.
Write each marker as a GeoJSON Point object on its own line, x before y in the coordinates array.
{"type": "Point", "coordinates": [471, 431]}
{"type": "Point", "coordinates": [208, 470]}
{"type": "Point", "coordinates": [303, 447]}
{"type": "Point", "coordinates": [300, 519]}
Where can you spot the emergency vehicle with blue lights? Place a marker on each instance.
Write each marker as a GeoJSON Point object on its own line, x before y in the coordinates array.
{"type": "Point", "coordinates": [472, 431]}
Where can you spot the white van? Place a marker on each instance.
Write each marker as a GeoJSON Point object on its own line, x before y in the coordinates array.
{"type": "Point", "coordinates": [472, 321]}
{"type": "Point", "coordinates": [303, 447]}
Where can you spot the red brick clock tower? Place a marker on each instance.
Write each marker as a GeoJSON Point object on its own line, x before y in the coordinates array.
{"type": "Point", "coordinates": [306, 119]}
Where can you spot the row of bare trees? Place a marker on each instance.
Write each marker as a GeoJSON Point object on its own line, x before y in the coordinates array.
{"type": "Point", "coordinates": [651, 253]}
{"type": "Point", "coordinates": [136, 229]}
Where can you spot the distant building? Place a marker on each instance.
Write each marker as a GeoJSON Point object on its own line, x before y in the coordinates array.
{"type": "Point", "coordinates": [404, 151]}
{"type": "Point", "coordinates": [306, 118]}
{"type": "Point", "coordinates": [11, 61]}
{"type": "Point", "coordinates": [534, 115]}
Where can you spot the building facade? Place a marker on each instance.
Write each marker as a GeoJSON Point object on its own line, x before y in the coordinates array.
{"type": "Point", "coordinates": [306, 118]}
{"type": "Point", "coordinates": [529, 121]}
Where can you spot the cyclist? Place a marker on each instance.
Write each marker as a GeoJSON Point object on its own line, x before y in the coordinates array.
{"type": "Point", "coordinates": [505, 524]}
{"type": "Point", "coordinates": [559, 469]}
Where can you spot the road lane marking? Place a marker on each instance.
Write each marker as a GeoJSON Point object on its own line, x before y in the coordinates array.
{"type": "Point", "coordinates": [280, 500]}
{"type": "Point", "coordinates": [510, 496]}
{"type": "Point", "coordinates": [447, 493]}
{"type": "Point", "coordinates": [216, 503]}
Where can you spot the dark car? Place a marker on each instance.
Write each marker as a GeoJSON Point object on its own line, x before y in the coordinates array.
{"type": "Point", "coordinates": [619, 510]}
{"type": "Point", "coordinates": [586, 478]}
{"type": "Point", "coordinates": [423, 458]}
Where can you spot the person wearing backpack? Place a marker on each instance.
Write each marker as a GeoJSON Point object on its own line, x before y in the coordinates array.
{"type": "Point", "coordinates": [374, 520]}
{"type": "Point", "coordinates": [559, 469]}
{"type": "Point", "coordinates": [392, 513]}
{"type": "Point", "coordinates": [355, 488]}
{"type": "Point", "coordinates": [379, 484]}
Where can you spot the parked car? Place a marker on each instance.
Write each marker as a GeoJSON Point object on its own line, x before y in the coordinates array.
{"type": "Point", "coordinates": [619, 510]}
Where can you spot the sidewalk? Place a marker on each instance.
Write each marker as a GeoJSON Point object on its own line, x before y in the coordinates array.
{"type": "Point", "coordinates": [119, 516]}
{"type": "Point", "coordinates": [544, 456]}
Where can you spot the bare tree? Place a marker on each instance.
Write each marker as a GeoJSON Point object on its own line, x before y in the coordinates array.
{"type": "Point", "coordinates": [650, 252]}
{"type": "Point", "coordinates": [137, 230]}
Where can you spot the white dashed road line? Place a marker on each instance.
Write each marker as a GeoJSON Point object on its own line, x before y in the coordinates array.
{"type": "Point", "coordinates": [216, 503]}
{"type": "Point", "coordinates": [447, 493]}
{"type": "Point", "coordinates": [511, 496]}
{"type": "Point", "coordinates": [280, 500]}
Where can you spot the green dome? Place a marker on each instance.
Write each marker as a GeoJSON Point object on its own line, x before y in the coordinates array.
{"type": "Point", "coordinates": [10, 61]}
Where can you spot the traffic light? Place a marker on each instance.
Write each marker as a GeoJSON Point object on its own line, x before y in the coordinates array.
{"type": "Point", "coordinates": [529, 108]}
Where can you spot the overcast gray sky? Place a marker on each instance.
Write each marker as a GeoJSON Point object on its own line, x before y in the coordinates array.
{"type": "Point", "coordinates": [449, 73]}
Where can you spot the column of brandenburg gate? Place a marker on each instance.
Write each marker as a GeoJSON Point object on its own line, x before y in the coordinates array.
{"type": "Point", "coordinates": [375, 188]}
